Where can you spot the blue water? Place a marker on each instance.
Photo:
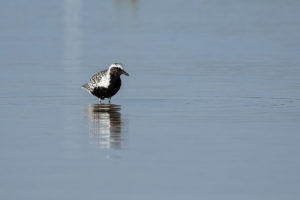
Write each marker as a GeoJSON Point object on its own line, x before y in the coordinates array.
{"type": "Point", "coordinates": [211, 108]}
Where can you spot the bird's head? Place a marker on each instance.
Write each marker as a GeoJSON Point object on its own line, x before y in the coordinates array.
{"type": "Point", "coordinates": [117, 69]}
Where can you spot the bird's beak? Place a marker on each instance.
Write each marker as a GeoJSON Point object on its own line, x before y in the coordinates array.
{"type": "Point", "coordinates": [125, 73]}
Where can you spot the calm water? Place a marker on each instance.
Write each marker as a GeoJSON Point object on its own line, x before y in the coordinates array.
{"type": "Point", "coordinates": [211, 109]}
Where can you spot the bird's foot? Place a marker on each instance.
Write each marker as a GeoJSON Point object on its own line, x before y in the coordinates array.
{"type": "Point", "coordinates": [109, 100]}
{"type": "Point", "coordinates": [100, 101]}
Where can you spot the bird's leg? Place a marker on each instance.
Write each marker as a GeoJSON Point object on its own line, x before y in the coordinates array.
{"type": "Point", "coordinates": [109, 100]}
{"type": "Point", "coordinates": [99, 101]}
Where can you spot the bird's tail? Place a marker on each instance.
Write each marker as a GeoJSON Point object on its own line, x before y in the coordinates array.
{"type": "Point", "coordinates": [86, 87]}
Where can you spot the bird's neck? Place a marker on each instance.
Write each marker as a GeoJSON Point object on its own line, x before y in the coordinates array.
{"type": "Point", "coordinates": [114, 76]}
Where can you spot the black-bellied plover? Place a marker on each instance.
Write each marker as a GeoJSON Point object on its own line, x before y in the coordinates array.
{"type": "Point", "coordinates": [106, 83]}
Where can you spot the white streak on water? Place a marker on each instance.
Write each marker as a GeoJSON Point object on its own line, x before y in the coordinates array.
{"type": "Point", "coordinates": [72, 40]}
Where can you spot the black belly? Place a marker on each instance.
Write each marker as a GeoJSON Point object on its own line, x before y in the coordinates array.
{"type": "Point", "coordinates": [113, 88]}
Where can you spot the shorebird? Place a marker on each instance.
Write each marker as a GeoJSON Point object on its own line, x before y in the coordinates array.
{"type": "Point", "coordinates": [106, 83]}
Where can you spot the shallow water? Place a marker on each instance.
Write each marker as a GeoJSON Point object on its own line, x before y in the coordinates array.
{"type": "Point", "coordinates": [211, 109]}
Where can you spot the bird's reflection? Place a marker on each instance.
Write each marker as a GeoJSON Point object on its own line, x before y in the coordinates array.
{"type": "Point", "coordinates": [106, 125]}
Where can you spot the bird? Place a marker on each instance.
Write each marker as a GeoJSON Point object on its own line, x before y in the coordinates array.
{"type": "Point", "coordinates": [106, 83]}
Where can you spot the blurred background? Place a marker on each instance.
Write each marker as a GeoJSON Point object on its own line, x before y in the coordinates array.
{"type": "Point", "coordinates": [211, 109]}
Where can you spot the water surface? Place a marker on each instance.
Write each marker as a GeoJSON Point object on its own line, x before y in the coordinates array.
{"type": "Point", "coordinates": [211, 109]}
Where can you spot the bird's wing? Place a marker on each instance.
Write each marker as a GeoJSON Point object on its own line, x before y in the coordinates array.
{"type": "Point", "coordinates": [94, 81]}
{"type": "Point", "coordinates": [86, 87]}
